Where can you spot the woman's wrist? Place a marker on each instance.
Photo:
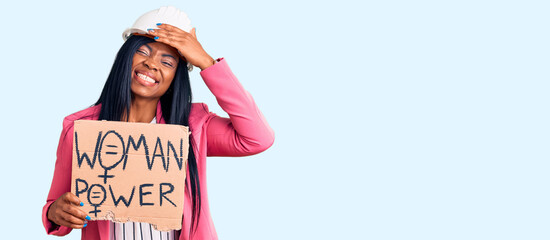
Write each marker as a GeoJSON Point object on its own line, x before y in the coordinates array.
{"type": "Point", "coordinates": [54, 224]}
{"type": "Point", "coordinates": [207, 62]}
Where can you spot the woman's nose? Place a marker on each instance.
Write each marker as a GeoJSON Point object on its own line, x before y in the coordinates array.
{"type": "Point", "coordinates": [150, 63]}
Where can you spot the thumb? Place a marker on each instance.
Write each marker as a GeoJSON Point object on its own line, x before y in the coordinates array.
{"type": "Point", "coordinates": [193, 32]}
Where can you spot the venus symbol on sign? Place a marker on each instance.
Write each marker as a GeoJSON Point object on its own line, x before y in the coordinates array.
{"type": "Point", "coordinates": [97, 197]}
{"type": "Point", "coordinates": [114, 153]}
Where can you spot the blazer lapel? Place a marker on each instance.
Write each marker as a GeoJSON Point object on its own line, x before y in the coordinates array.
{"type": "Point", "coordinates": [160, 119]}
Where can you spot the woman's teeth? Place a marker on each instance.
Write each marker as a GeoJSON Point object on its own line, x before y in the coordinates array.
{"type": "Point", "coordinates": [146, 78]}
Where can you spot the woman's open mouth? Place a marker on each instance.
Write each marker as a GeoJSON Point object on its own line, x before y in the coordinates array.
{"type": "Point", "coordinates": [145, 80]}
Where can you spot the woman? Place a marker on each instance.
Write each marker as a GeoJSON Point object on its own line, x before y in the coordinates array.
{"type": "Point", "coordinates": [149, 82]}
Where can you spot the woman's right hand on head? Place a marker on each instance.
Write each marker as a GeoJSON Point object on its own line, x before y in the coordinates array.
{"type": "Point", "coordinates": [65, 211]}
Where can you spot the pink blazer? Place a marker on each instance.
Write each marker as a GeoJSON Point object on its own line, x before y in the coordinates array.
{"type": "Point", "coordinates": [244, 133]}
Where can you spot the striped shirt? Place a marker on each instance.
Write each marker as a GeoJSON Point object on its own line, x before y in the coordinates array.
{"type": "Point", "coordinates": [138, 231]}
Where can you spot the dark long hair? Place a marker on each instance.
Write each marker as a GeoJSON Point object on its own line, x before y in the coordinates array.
{"type": "Point", "coordinates": [175, 104]}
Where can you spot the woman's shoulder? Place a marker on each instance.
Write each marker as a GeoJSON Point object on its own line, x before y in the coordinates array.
{"type": "Point", "coordinates": [199, 114]}
{"type": "Point", "coordinates": [91, 113]}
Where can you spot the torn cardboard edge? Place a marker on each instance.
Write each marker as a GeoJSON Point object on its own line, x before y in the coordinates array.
{"type": "Point", "coordinates": [165, 226]}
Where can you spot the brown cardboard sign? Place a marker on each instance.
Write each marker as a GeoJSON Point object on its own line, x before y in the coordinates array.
{"type": "Point", "coordinates": [131, 171]}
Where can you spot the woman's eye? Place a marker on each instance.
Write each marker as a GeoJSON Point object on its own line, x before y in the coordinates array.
{"type": "Point", "coordinates": [142, 51]}
{"type": "Point", "coordinates": [168, 64]}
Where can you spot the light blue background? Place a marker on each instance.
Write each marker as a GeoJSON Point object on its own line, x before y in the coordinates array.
{"type": "Point", "coordinates": [393, 119]}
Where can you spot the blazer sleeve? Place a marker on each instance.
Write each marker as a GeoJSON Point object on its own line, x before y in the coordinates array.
{"type": "Point", "coordinates": [61, 182]}
{"type": "Point", "coordinates": [245, 132]}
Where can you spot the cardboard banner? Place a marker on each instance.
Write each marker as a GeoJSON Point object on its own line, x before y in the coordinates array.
{"type": "Point", "coordinates": [131, 171]}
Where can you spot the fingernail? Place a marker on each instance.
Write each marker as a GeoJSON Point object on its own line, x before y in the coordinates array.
{"type": "Point", "coordinates": [88, 218]}
{"type": "Point", "coordinates": [85, 225]}
{"type": "Point", "coordinates": [81, 204]}
{"type": "Point", "coordinates": [158, 24]}
{"type": "Point", "coordinates": [150, 30]}
{"type": "Point", "coordinates": [156, 38]}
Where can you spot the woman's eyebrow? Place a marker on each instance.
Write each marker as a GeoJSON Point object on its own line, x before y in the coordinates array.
{"type": "Point", "coordinates": [150, 49]}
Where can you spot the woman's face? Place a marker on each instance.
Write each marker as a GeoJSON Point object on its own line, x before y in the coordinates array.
{"type": "Point", "coordinates": [153, 69]}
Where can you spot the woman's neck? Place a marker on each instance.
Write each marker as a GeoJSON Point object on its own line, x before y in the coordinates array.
{"type": "Point", "coordinates": [143, 110]}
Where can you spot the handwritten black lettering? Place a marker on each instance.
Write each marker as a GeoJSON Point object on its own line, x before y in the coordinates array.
{"type": "Point", "coordinates": [142, 193]}
{"type": "Point", "coordinates": [161, 155]}
{"type": "Point", "coordinates": [101, 160]}
{"type": "Point", "coordinates": [163, 194]}
{"type": "Point", "coordinates": [77, 187]}
{"type": "Point", "coordinates": [122, 198]}
{"type": "Point", "coordinates": [136, 146]}
{"type": "Point", "coordinates": [84, 155]}
{"type": "Point", "coordinates": [92, 196]}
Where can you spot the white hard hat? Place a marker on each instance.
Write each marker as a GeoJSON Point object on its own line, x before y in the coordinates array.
{"type": "Point", "coordinates": [170, 15]}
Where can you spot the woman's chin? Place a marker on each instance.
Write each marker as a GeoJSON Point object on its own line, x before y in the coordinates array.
{"type": "Point", "coordinates": [141, 91]}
